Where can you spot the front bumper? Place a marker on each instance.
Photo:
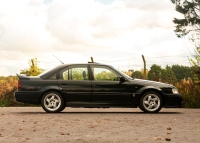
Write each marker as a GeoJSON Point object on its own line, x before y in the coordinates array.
{"type": "Point", "coordinates": [173, 101]}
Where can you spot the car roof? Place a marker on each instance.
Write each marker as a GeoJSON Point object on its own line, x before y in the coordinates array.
{"type": "Point", "coordinates": [89, 63]}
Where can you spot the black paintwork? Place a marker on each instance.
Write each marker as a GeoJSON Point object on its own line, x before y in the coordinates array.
{"type": "Point", "coordinates": [93, 93]}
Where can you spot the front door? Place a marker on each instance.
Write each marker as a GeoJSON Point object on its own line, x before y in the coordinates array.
{"type": "Point", "coordinates": [106, 86]}
{"type": "Point", "coordinates": [75, 84]}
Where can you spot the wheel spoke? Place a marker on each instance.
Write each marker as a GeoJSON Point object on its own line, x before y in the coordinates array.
{"type": "Point", "coordinates": [155, 105]}
{"type": "Point", "coordinates": [56, 100]}
{"type": "Point", "coordinates": [52, 97]}
{"type": "Point", "coordinates": [49, 105]}
{"type": "Point", "coordinates": [149, 98]}
{"type": "Point", "coordinates": [146, 102]}
{"type": "Point", "coordinates": [150, 107]}
{"type": "Point", "coordinates": [155, 99]}
{"type": "Point", "coordinates": [54, 105]}
{"type": "Point", "coordinates": [48, 100]}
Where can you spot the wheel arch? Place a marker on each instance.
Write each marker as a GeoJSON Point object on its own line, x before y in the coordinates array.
{"type": "Point", "coordinates": [51, 90]}
{"type": "Point", "coordinates": [144, 90]}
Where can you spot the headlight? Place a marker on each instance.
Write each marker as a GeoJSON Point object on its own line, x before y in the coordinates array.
{"type": "Point", "coordinates": [174, 91]}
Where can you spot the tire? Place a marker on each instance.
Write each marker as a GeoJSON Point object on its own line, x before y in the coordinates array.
{"type": "Point", "coordinates": [141, 108]}
{"type": "Point", "coordinates": [63, 108]}
{"type": "Point", "coordinates": [52, 102]}
{"type": "Point", "coordinates": [151, 102]}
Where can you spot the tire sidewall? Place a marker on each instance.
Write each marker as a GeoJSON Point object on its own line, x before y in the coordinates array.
{"type": "Point", "coordinates": [142, 98]}
{"type": "Point", "coordinates": [57, 110]}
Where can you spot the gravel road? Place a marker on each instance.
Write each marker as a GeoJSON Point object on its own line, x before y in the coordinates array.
{"type": "Point", "coordinates": [112, 125]}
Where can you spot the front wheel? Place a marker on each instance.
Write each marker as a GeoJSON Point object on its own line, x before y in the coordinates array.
{"type": "Point", "coordinates": [151, 102]}
{"type": "Point", "coordinates": [52, 102]}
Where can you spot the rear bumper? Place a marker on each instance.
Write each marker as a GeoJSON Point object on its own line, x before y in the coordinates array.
{"type": "Point", "coordinates": [27, 97]}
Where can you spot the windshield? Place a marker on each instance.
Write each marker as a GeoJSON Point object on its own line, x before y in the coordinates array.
{"type": "Point", "coordinates": [125, 75]}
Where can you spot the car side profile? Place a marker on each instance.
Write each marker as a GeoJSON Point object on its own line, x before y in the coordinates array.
{"type": "Point", "coordinates": [93, 85]}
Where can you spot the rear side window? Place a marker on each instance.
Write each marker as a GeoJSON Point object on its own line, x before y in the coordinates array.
{"type": "Point", "coordinates": [64, 74]}
{"type": "Point", "coordinates": [74, 73]}
{"type": "Point", "coordinates": [53, 77]}
{"type": "Point", "coordinates": [79, 73]}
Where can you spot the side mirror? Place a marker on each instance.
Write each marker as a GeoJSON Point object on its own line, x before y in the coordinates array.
{"type": "Point", "coordinates": [122, 79]}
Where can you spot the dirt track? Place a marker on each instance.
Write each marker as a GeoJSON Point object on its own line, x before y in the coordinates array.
{"type": "Point", "coordinates": [32, 124]}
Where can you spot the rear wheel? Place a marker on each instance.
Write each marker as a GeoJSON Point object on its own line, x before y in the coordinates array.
{"type": "Point", "coordinates": [151, 102]}
{"type": "Point", "coordinates": [52, 102]}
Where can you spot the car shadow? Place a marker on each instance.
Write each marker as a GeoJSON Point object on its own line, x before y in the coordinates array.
{"type": "Point", "coordinates": [83, 112]}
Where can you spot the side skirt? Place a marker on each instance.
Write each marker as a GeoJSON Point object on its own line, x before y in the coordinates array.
{"type": "Point", "coordinates": [98, 105]}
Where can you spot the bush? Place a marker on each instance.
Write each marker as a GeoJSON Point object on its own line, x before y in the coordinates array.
{"type": "Point", "coordinates": [190, 93]}
{"type": "Point", "coordinates": [8, 87]}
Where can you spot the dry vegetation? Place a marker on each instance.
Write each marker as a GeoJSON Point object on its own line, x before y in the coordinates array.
{"type": "Point", "coordinates": [190, 92]}
{"type": "Point", "coordinates": [8, 87]}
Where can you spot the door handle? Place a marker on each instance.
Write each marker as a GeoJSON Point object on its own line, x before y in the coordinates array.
{"type": "Point", "coordinates": [64, 83]}
{"type": "Point", "coordinates": [96, 85]}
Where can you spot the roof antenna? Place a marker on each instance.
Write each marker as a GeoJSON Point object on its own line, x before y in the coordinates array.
{"type": "Point", "coordinates": [58, 59]}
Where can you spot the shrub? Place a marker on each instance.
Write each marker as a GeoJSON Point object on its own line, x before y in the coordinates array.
{"type": "Point", "coordinates": [190, 93]}
{"type": "Point", "coordinates": [8, 87]}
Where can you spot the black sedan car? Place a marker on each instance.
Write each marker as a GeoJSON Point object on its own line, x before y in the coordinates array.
{"type": "Point", "coordinates": [94, 85]}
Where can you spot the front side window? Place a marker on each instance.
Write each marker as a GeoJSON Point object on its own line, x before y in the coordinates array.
{"type": "Point", "coordinates": [104, 73]}
{"type": "Point", "coordinates": [74, 73]}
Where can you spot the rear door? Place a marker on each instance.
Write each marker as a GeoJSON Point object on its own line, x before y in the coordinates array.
{"type": "Point", "coordinates": [75, 84]}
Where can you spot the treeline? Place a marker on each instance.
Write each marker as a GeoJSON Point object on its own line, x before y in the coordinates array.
{"type": "Point", "coordinates": [169, 74]}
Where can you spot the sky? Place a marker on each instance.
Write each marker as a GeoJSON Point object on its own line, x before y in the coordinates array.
{"type": "Point", "coordinates": [114, 32]}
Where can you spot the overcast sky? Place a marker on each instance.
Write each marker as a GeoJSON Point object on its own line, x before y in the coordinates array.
{"type": "Point", "coordinates": [115, 32]}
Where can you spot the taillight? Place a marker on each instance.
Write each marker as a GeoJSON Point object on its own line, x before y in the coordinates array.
{"type": "Point", "coordinates": [19, 85]}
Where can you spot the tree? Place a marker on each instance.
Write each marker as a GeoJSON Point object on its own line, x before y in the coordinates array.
{"type": "Point", "coordinates": [181, 72]}
{"type": "Point", "coordinates": [190, 9]}
{"type": "Point", "coordinates": [33, 69]}
{"type": "Point", "coordinates": [155, 72]}
{"type": "Point", "coordinates": [189, 25]}
{"type": "Point", "coordinates": [168, 75]}
{"type": "Point", "coordinates": [136, 74]}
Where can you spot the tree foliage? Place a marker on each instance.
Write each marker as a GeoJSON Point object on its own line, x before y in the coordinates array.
{"type": "Point", "coordinates": [181, 72]}
{"type": "Point", "coordinates": [33, 69]}
{"type": "Point", "coordinates": [136, 74]}
{"type": "Point", "coordinates": [155, 72]}
{"type": "Point", "coordinates": [190, 23]}
{"type": "Point", "coordinates": [170, 74]}
{"type": "Point", "coordinates": [105, 76]}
